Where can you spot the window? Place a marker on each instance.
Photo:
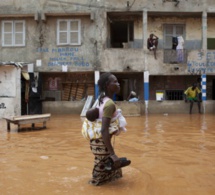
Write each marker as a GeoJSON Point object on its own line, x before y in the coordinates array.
{"type": "Point", "coordinates": [174, 94]}
{"type": "Point", "coordinates": [170, 31]}
{"type": "Point", "coordinates": [68, 32]}
{"type": "Point", "coordinates": [211, 43]}
{"type": "Point", "coordinates": [171, 54]}
{"type": "Point", "coordinates": [121, 32]}
{"type": "Point", "coordinates": [13, 33]}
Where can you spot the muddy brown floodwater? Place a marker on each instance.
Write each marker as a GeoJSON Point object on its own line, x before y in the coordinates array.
{"type": "Point", "coordinates": [170, 154]}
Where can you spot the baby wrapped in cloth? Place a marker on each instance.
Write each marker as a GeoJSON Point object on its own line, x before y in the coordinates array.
{"type": "Point", "coordinates": [91, 128]}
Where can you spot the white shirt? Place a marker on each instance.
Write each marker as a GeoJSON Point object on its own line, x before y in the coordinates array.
{"type": "Point", "coordinates": [180, 43]}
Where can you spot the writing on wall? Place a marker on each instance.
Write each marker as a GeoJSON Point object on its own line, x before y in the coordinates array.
{"type": "Point", "coordinates": [2, 106]}
{"type": "Point", "coordinates": [65, 56]}
{"type": "Point", "coordinates": [200, 65]}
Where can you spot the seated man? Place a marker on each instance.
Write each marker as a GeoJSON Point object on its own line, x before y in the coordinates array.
{"type": "Point", "coordinates": [152, 43]}
{"type": "Point", "coordinates": [132, 97]}
{"type": "Point", "coordinates": [192, 95]}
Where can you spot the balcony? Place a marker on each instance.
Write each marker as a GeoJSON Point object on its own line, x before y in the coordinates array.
{"type": "Point", "coordinates": [175, 57]}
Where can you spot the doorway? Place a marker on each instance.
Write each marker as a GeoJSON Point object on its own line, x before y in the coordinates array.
{"type": "Point", "coordinates": [213, 89]}
{"type": "Point", "coordinates": [121, 32]}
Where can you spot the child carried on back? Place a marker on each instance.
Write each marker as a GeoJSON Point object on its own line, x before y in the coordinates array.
{"type": "Point", "coordinates": [91, 128]}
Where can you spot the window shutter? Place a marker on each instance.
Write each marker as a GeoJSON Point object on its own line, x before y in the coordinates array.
{"type": "Point", "coordinates": [169, 29]}
{"type": "Point", "coordinates": [68, 32]}
{"type": "Point", "coordinates": [62, 32]}
{"type": "Point", "coordinates": [13, 33]}
{"type": "Point", "coordinates": [7, 33]}
{"type": "Point", "coordinates": [19, 33]}
{"type": "Point", "coordinates": [75, 32]}
{"type": "Point", "coordinates": [179, 30]}
{"type": "Point", "coordinates": [168, 34]}
{"type": "Point", "coordinates": [172, 30]}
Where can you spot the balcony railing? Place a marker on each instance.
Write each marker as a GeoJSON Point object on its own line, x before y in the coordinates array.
{"type": "Point", "coordinates": [172, 56]}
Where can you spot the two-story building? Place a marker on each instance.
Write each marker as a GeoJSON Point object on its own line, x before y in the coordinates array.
{"type": "Point", "coordinates": [70, 43]}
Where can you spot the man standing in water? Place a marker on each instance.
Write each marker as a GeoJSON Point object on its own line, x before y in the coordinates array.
{"type": "Point", "coordinates": [192, 95]}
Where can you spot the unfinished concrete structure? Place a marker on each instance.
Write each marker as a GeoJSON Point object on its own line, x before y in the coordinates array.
{"type": "Point", "coordinates": [71, 42]}
{"type": "Point", "coordinates": [10, 96]}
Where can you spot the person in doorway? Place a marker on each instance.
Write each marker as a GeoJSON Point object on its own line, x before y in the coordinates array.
{"type": "Point", "coordinates": [102, 147]}
{"type": "Point", "coordinates": [152, 44]}
{"type": "Point", "coordinates": [192, 95]}
{"type": "Point", "coordinates": [132, 97]}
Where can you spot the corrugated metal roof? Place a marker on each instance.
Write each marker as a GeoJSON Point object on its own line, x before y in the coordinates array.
{"type": "Point", "coordinates": [16, 64]}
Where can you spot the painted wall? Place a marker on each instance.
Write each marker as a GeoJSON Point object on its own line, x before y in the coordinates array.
{"type": "Point", "coordinates": [22, 54]}
{"type": "Point", "coordinates": [41, 48]}
{"type": "Point", "coordinates": [10, 93]}
{"type": "Point", "coordinates": [134, 58]}
{"type": "Point", "coordinates": [163, 5]}
{"type": "Point", "coordinates": [78, 58]}
{"type": "Point", "coordinates": [132, 109]}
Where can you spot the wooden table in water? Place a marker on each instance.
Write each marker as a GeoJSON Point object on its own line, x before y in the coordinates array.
{"type": "Point", "coordinates": [170, 154]}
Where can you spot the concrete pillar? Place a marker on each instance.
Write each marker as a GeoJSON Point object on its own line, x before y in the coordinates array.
{"type": "Point", "coordinates": [204, 48]}
{"type": "Point", "coordinates": [204, 36]}
{"type": "Point", "coordinates": [204, 31]}
{"type": "Point", "coordinates": [146, 90]}
{"type": "Point", "coordinates": [146, 72]}
{"type": "Point", "coordinates": [145, 24]}
{"type": "Point", "coordinates": [204, 92]}
{"type": "Point", "coordinates": [96, 78]}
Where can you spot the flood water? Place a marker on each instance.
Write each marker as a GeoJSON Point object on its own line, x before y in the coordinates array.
{"type": "Point", "coordinates": [170, 154]}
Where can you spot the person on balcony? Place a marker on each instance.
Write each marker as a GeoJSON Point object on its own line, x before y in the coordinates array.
{"type": "Point", "coordinates": [192, 95]}
{"type": "Point", "coordinates": [152, 44]}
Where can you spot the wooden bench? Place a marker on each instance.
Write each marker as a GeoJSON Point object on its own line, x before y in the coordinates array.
{"type": "Point", "coordinates": [28, 119]}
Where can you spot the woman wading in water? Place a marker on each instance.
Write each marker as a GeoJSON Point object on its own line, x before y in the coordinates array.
{"type": "Point", "coordinates": [101, 147]}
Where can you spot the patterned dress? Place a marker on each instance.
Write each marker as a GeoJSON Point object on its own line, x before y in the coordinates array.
{"type": "Point", "coordinates": [100, 175]}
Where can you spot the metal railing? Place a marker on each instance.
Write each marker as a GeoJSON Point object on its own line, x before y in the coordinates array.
{"type": "Point", "coordinates": [174, 94]}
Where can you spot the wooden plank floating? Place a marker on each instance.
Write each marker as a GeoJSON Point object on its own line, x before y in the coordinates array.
{"type": "Point", "coordinates": [28, 119]}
